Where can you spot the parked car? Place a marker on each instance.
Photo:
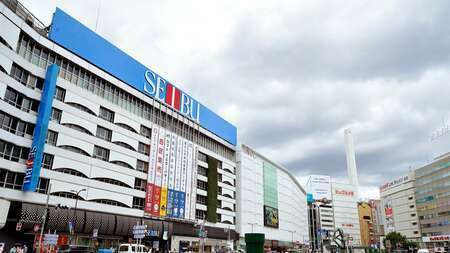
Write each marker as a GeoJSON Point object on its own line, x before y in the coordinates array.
{"type": "Point", "coordinates": [133, 248]}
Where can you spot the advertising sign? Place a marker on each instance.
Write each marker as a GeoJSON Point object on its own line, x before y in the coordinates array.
{"type": "Point", "coordinates": [320, 186]}
{"type": "Point", "coordinates": [158, 174]}
{"type": "Point", "coordinates": [194, 182]}
{"type": "Point", "coordinates": [36, 154]}
{"type": "Point", "coordinates": [270, 217]}
{"type": "Point", "coordinates": [165, 174]}
{"type": "Point", "coordinates": [182, 196]}
{"type": "Point", "coordinates": [187, 209]}
{"type": "Point", "coordinates": [176, 205]}
{"type": "Point", "coordinates": [394, 183]}
{"type": "Point", "coordinates": [172, 168]}
{"type": "Point", "coordinates": [151, 172]}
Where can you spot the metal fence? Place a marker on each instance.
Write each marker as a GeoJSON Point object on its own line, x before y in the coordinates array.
{"type": "Point", "coordinates": [16, 7]}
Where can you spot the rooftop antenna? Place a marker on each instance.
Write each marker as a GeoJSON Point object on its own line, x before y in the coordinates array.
{"type": "Point", "coordinates": [98, 14]}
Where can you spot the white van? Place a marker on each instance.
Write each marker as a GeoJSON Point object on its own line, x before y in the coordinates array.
{"type": "Point", "coordinates": [133, 248]}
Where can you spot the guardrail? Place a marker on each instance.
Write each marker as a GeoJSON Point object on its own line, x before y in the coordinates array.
{"type": "Point", "coordinates": [20, 10]}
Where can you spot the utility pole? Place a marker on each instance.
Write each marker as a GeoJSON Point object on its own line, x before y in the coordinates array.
{"type": "Point", "coordinates": [75, 212]}
{"type": "Point", "coordinates": [252, 224]}
{"type": "Point", "coordinates": [44, 216]}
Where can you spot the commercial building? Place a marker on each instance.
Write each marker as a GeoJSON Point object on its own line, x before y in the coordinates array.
{"type": "Point", "coordinates": [377, 220]}
{"type": "Point", "coordinates": [366, 224]}
{"type": "Point", "coordinates": [321, 214]}
{"type": "Point", "coordinates": [432, 195]}
{"type": "Point", "coordinates": [270, 201]}
{"type": "Point", "coordinates": [101, 133]}
{"type": "Point", "coordinates": [345, 209]}
{"type": "Point", "coordinates": [399, 204]}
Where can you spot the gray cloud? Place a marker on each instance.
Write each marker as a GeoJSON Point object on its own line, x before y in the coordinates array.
{"type": "Point", "coordinates": [293, 75]}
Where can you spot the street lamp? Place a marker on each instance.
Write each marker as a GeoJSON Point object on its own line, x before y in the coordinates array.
{"type": "Point", "coordinates": [77, 193]}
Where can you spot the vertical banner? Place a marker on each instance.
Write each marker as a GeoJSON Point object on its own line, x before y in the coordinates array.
{"type": "Point", "coordinates": [172, 167]}
{"type": "Point", "coordinates": [187, 211]}
{"type": "Point", "coordinates": [151, 172]}
{"type": "Point", "coordinates": [182, 197]}
{"type": "Point", "coordinates": [158, 173]}
{"type": "Point", "coordinates": [165, 174]}
{"type": "Point", "coordinates": [36, 154]}
{"type": "Point", "coordinates": [176, 205]}
{"type": "Point", "coordinates": [194, 182]}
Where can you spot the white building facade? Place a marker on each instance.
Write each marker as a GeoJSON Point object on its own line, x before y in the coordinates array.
{"type": "Point", "coordinates": [270, 201]}
{"type": "Point", "coordinates": [345, 208]}
{"type": "Point", "coordinates": [128, 153]}
{"type": "Point", "coordinates": [399, 204]}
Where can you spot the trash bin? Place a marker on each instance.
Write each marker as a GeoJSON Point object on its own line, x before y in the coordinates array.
{"type": "Point", "coordinates": [254, 243]}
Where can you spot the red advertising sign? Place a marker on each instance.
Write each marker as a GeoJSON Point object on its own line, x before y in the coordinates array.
{"type": "Point", "coordinates": [148, 199]}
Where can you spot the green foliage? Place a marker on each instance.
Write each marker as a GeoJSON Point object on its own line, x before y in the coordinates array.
{"type": "Point", "coordinates": [399, 241]}
{"type": "Point", "coordinates": [211, 211]}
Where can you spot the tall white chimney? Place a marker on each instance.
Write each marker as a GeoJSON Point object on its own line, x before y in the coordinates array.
{"type": "Point", "coordinates": [351, 162]}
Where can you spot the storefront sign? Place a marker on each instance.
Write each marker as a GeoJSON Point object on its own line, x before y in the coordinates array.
{"type": "Point", "coordinates": [437, 238]}
{"type": "Point", "coordinates": [394, 183]}
{"type": "Point", "coordinates": [345, 192]}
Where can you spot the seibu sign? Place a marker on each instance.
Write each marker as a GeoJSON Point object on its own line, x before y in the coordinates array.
{"type": "Point", "coordinates": [436, 238]}
{"type": "Point", "coordinates": [165, 92]}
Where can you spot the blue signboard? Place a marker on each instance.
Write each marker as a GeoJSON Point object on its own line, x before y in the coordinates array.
{"type": "Point", "coordinates": [34, 161]}
{"type": "Point", "coordinates": [77, 38]}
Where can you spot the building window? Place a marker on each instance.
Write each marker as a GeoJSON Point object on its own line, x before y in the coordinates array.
{"type": "Point", "coordinates": [414, 223]}
{"type": "Point", "coordinates": [139, 184]}
{"type": "Point", "coordinates": [142, 166]}
{"type": "Point", "coordinates": [144, 148]}
{"type": "Point", "coordinates": [202, 171]}
{"type": "Point", "coordinates": [201, 199]}
{"type": "Point", "coordinates": [219, 177]}
{"type": "Point", "coordinates": [101, 153]}
{"type": "Point", "coordinates": [20, 101]}
{"type": "Point", "coordinates": [138, 203]}
{"type": "Point", "coordinates": [111, 181]}
{"type": "Point", "coordinates": [219, 217]}
{"type": "Point", "coordinates": [219, 203]}
{"type": "Point", "coordinates": [12, 152]}
{"type": "Point", "coordinates": [410, 198]}
{"type": "Point", "coordinates": [106, 114]}
{"type": "Point", "coordinates": [42, 186]}
{"type": "Point", "coordinates": [202, 157]}
{"type": "Point", "coordinates": [413, 215]}
{"type": "Point", "coordinates": [411, 206]}
{"type": "Point", "coordinates": [219, 190]}
{"type": "Point", "coordinates": [56, 115]}
{"type": "Point", "coordinates": [60, 94]}
{"type": "Point", "coordinates": [52, 137]}
{"type": "Point", "coordinates": [146, 132]}
{"type": "Point", "coordinates": [11, 180]}
{"type": "Point", "coordinates": [104, 133]}
{"type": "Point", "coordinates": [200, 214]}
{"type": "Point", "coordinates": [15, 125]}
{"type": "Point", "coordinates": [47, 161]}
{"type": "Point", "coordinates": [202, 185]}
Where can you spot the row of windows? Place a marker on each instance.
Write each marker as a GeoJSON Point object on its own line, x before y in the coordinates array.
{"type": "Point", "coordinates": [12, 152]}
{"type": "Point", "coordinates": [26, 78]}
{"type": "Point", "coordinates": [201, 215]}
{"type": "Point", "coordinates": [438, 176]}
{"type": "Point", "coordinates": [42, 57]}
{"type": "Point", "coordinates": [14, 180]}
{"type": "Point", "coordinates": [20, 101]}
{"type": "Point", "coordinates": [15, 125]}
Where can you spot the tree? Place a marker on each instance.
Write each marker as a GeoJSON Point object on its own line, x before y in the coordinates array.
{"type": "Point", "coordinates": [397, 240]}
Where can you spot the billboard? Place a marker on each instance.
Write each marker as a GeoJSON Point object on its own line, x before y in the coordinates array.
{"type": "Point", "coordinates": [80, 40]}
{"type": "Point", "coordinates": [171, 176]}
{"type": "Point", "coordinates": [320, 187]}
{"type": "Point", "coordinates": [271, 218]}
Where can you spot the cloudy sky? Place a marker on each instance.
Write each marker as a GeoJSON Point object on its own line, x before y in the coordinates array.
{"type": "Point", "coordinates": [292, 75]}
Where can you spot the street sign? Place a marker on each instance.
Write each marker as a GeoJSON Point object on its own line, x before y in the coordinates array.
{"type": "Point", "coordinates": [95, 233]}
{"type": "Point", "coordinates": [50, 239]}
{"type": "Point", "coordinates": [19, 226]}
{"type": "Point", "coordinates": [139, 231]}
